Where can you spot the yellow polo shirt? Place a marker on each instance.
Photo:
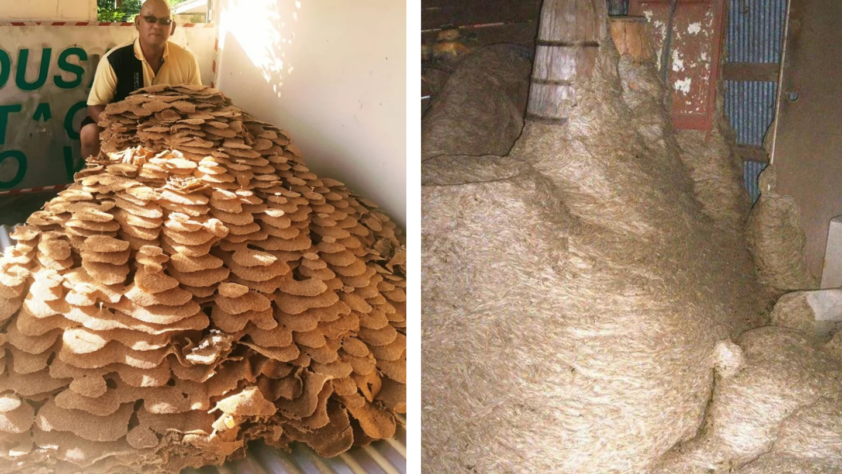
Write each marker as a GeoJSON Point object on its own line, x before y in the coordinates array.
{"type": "Point", "coordinates": [179, 67]}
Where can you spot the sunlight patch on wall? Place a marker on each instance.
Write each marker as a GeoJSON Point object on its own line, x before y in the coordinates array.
{"type": "Point", "coordinates": [263, 29]}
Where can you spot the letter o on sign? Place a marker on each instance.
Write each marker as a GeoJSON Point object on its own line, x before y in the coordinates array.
{"type": "Point", "coordinates": [21, 172]}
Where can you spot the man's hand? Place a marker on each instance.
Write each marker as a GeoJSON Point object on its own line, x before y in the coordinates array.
{"type": "Point", "coordinates": [94, 111]}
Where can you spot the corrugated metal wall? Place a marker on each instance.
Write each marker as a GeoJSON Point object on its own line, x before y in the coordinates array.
{"type": "Point", "coordinates": [755, 30]}
{"type": "Point", "coordinates": [755, 35]}
{"type": "Point", "coordinates": [750, 106]}
{"type": "Point", "coordinates": [751, 170]}
{"type": "Point", "coordinates": [384, 457]}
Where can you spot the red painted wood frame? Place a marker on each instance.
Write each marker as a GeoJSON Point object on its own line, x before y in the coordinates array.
{"type": "Point", "coordinates": [694, 67]}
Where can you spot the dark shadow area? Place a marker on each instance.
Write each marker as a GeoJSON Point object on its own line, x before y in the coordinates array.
{"type": "Point", "coordinates": [16, 208]}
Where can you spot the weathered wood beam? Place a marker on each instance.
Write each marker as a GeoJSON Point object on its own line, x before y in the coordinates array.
{"type": "Point", "coordinates": [519, 33]}
{"type": "Point", "coordinates": [569, 35]}
{"type": "Point", "coordinates": [767, 72]}
{"type": "Point", "coordinates": [632, 37]}
{"type": "Point", "coordinates": [473, 12]}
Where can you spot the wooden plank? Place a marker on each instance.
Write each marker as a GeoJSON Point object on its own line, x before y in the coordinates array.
{"type": "Point", "coordinates": [766, 72]}
{"type": "Point", "coordinates": [518, 33]}
{"type": "Point", "coordinates": [752, 153]}
{"type": "Point", "coordinates": [631, 36]}
{"type": "Point", "coordinates": [477, 12]}
{"type": "Point", "coordinates": [808, 144]}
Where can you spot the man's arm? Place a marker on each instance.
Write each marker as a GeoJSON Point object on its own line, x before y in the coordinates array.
{"type": "Point", "coordinates": [102, 92]}
{"type": "Point", "coordinates": [103, 88]}
{"type": "Point", "coordinates": [94, 111]}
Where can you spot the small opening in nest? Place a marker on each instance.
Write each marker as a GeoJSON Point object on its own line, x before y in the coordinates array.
{"type": "Point", "coordinates": [134, 421]}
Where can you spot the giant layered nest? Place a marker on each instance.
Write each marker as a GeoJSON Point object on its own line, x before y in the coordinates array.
{"type": "Point", "coordinates": [590, 305]}
{"type": "Point", "coordinates": [197, 288]}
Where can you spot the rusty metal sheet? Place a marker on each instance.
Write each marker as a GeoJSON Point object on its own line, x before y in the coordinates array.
{"type": "Point", "coordinates": [694, 57]}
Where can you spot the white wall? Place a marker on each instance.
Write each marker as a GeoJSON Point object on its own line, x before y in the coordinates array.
{"type": "Point", "coordinates": [333, 74]}
{"type": "Point", "coordinates": [51, 10]}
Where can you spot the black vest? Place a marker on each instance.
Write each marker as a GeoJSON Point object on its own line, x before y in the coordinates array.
{"type": "Point", "coordinates": [128, 69]}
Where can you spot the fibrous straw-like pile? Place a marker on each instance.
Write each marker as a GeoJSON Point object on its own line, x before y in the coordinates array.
{"type": "Point", "coordinates": [776, 408]}
{"type": "Point", "coordinates": [776, 238]}
{"type": "Point", "coordinates": [472, 94]}
{"type": "Point", "coordinates": [814, 313]}
{"type": "Point", "coordinates": [581, 295]}
{"type": "Point", "coordinates": [197, 288]}
{"type": "Point", "coordinates": [575, 289]}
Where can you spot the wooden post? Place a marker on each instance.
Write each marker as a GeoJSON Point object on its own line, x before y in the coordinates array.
{"type": "Point", "coordinates": [631, 36]}
{"type": "Point", "coordinates": [569, 33]}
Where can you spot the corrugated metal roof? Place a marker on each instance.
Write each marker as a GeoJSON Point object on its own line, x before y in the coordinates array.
{"type": "Point", "coordinates": [755, 30]}
{"type": "Point", "coordinates": [755, 35]}
{"type": "Point", "coordinates": [382, 457]}
{"type": "Point", "coordinates": [751, 171]}
{"type": "Point", "coordinates": [750, 106]}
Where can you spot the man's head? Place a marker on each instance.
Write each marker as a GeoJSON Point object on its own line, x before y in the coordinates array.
{"type": "Point", "coordinates": [148, 23]}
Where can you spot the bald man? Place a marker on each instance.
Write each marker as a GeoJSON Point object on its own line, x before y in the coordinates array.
{"type": "Point", "coordinates": [149, 60]}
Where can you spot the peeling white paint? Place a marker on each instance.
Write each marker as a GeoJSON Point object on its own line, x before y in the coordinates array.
{"type": "Point", "coordinates": [648, 14]}
{"type": "Point", "coordinates": [694, 28]}
{"type": "Point", "coordinates": [683, 85]}
{"type": "Point", "coordinates": [704, 56]}
{"type": "Point", "coordinates": [677, 61]}
{"type": "Point", "coordinates": [660, 29]}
